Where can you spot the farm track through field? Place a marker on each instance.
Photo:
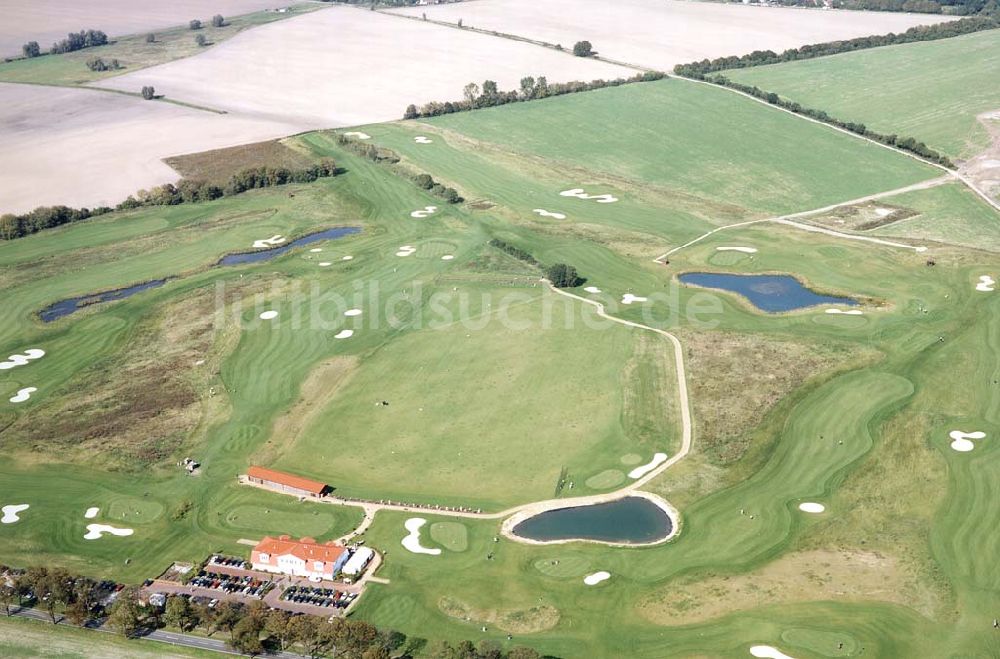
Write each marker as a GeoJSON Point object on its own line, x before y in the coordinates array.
{"type": "Point", "coordinates": [515, 514]}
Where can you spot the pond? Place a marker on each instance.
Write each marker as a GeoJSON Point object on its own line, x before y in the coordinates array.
{"type": "Point", "coordinates": [66, 307]}
{"type": "Point", "coordinates": [268, 254]}
{"type": "Point", "coordinates": [770, 293]}
{"type": "Point", "coordinates": [631, 520]}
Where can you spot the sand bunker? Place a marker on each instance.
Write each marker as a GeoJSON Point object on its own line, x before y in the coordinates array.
{"type": "Point", "coordinates": [358, 134]}
{"type": "Point", "coordinates": [811, 507]}
{"type": "Point", "coordinates": [23, 394]}
{"type": "Point", "coordinates": [986, 284]}
{"type": "Point", "coordinates": [579, 193]}
{"type": "Point", "coordinates": [95, 531]}
{"type": "Point", "coordinates": [427, 212]}
{"type": "Point", "coordinates": [406, 250]}
{"type": "Point", "coordinates": [353, 312]}
{"type": "Point", "coordinates": [412, 541]}
{"type": "Point", "coordinates": [344, 334]}
{"type": "Point", "coordinates": [316, 250]}
{"type": "Point", "coordinates": [767, 652]}
{"type": "Point", "coordinates": [628, 298]}
{"type": "Point", "coordinates": [544, 213]}
{"type": "Point", "coordinates": [347, 258]}
{"type": "Point", "coordinates": [851, 312]}
{"type": "Point", "coordinates": [325, 264]}
{"type": "Point", "coordinates": [420, 139]}
{"type": "Point", "coordinates": [592, 289]}
{"type": "Point", "coordinates": [91, 512]}
{"type": "Point", "coordinates": [21, 359]}
{"type": "Point", "coordinates": [10, 513]}
{"type": "Point", "coordinates": [269, 242]}
{"type": "Point", "coordinates": [596, 578]}
{"type": "Point", "coordinates": [269, 315]}
{"type": "Point", "coordinates": [447, 257]}
{"type": "Point", "coordinates": [745, 250]}
{"type": "Point", "coordinates": [960, 440]}
{"type": "Point", "coordinates": [642, 470]}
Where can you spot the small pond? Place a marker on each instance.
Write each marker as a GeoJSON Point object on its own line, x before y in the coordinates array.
{"type": "Point", "coordinates": [633, 520]}
{"type": "Point", "coordinates": [66, 307]}
{"type": "Point", "coordinates": [771, 293]}
{"type": "Point", "coordinates": [268, 254]}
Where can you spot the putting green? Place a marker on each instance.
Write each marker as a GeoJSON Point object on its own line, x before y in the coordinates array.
{"type": "Point", "coordinates": [450, 535]}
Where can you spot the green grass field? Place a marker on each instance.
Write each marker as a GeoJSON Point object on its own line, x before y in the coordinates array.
{"type": "Point", "coordinates": [492, 392]}
{"type": "Point", "coordinates": [931, 90]}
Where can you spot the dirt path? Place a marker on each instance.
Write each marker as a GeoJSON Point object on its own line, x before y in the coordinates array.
{"type": "Point", "coordinates": [789, 219]}
{"type": "Point", "coordinates": [984, 168]}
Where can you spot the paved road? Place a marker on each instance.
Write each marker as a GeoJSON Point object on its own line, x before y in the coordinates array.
{"type": "Point", "coordinates": [163, 636]}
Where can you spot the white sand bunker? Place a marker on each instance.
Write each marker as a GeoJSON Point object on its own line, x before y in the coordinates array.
{"type": "Point", "coordinates": [344, 334]}
{"type": "Point", "coordinates": [986, 284]}
{"type": "Point", "coordinates": [316, 250]}
{"type": "Point", "coordinates": [21, 359]}
{"type": "Point", "coordinates": [358, 134]}
{"type": "Point", "coordinates": [544, 213]}
{"type": "Point", "coordinates": [325, 264]}
{"type": "Point", "coordinates": [269, 315]}
{"type": "Point", "coordinates": [426, 212]}
{"type": "Point", "coordinates": [276, 239]}
{"type": "Point", "coordinates": [347, 258]}
{"type": "Point", "coordinates": [960, 440]}
{"type": "Point", "coordinates": [592, 289]}
{"type": "Point", "coordinates": [768, 652]}
{"type": "Point", "coordinates": [579, 193]}
{"type": "Point", "coordinates": [628, 298]}
{"type": "Point", "coordinates": [406, 250]}
{"type": "Point", "coordinates": [95, 531]}
{"type": "Point", "coordinates": [447, 257]}
{"type": "Point", "coordinates": [420, 139]}
{"type": "Point", "coordinates": [353, 312]}
{"type": "Point", "coordinates": [91, 512]}
{"type": "Point", "coordinates": [642, 470]}
{"type": "Point", "coordinates": [11, 513]}
{"type": "Point", "coordinates": [23, 394]}
{"type": "Point", "coordinates": [851, 312]}
{"type": "Point", "coordinates": [811, 507]}
{"type": "Point", "coordinates": [412, 541]}
{"type": "Point", "coordinates": [596, 578]}
{"type": "Point", "coordinates": [745, 250]}
{"type": "Point", "coordinates": [883, 212]}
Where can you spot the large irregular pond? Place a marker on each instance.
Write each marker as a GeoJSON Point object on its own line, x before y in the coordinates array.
{"type": "Point", "coordinates": [64, 308]}
{"type": "Point", "coordinates": [273, 252]}
{"type": "Point", "coordinates": [631, 520]}
{"type": "Point", "coordinates": [770, 293]}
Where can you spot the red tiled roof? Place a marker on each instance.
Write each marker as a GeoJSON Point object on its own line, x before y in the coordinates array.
{"type": "Point", "coordinates": [286, 479]}
{"type": "Point", "coordinates": [307, 549]}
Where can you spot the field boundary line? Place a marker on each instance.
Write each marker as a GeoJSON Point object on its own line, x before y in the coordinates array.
{"type": "Point", "coordinates": [789, 219]}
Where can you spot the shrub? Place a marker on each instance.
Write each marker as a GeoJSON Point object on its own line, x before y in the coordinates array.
{"type": "Point", "coordinates": [148, 93]}
{"type": "Point", "coordinates": [583, 49]}
{"type": "Point", "coordinates": [562, 275]}
{"type": "Point", "coordinates": [195, 24]}
{"type": "Point", "coordinates": [98, 64]}
{"type": "Point", "coordinates": [200, 40]}
{"type": "Point", "coordinates": [218, 20]}
{"type": "Point", "coordinates": [31, 49]}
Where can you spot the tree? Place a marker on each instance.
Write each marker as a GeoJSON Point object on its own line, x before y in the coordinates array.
{"type": "Point", "coordinates": [218, 20]}
{"type": "Point", "coordinates": [424, 181]}
{"type": "Point", "coordinates": [471, 93]}
{"type": "Point", "coordinates": [126, 614]}
{"type": "Point", "coordinates": [227, 615]}
{"type": "Point", "coordinates": [277, 624]}
{"type": "Point", "coordinates": [201, 40]}
{"type": "Point", "coordinates": [411, 112]}
{"type": "Point", "coordinates": [150, 38]}
{"type": "Point", "coordinates": [562, 275]}
{"type": "Point", "coordinates": [246, 635]}
{"type": "Point", "coordinates": [460, 22]}
{"type": "Point", "coordinates": [583, 49]}
{"type": "Point", "coordinates": [521, 652]}
{"type": "Point", "coordinates": [8, 592]}
{"type": "Point", "coordinates": [178, 613]}
{"type": "Point", "coordinates": [148, 93]}
{"type": "Point", "coordinates": [490, 89]}
{"type": "Point", "coordinates": [451, 196]}
{"type": "Point", "coordinates": [195, 24]}
{"type": "Point", "coordinates": [31, 49]}
{"type": "Point", "coordinates": [527, 87]}
{"type": "Point", "coordinates": [541, 87]}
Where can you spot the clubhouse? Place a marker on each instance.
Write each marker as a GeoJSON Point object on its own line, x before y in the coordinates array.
{"type": "Point", "coordinates": [299, 558]}
{"type": "Point", "coordinates": [287, 483]}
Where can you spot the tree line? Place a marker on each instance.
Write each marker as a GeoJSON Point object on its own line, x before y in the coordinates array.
{"type": "Point", "coordinates": [381, 155]}
{"type": "Point", "coordinates": [185, 191]}
{"type": "Point", "coordinates": [910, 144]}
{"type": "Point", "coordinates": [952, 7]}
{"type": "Point", "coordinates": [489, 95]}
{"type": "Point", "coordinates": [74, 41]}
{"type": "Point", "coordinates": [560, 274]}
{"type": "Point", "coordinates": [947, 30]}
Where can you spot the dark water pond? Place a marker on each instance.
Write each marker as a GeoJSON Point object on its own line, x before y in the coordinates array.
{"type": "Point", "coordinates": [628, 520]}
{"type": "Point", "coordinates": [273, 252]}
{"type": "Point", "coordinates": [771, 293]}
{"type": "Point", "coordinates": [66, 307]}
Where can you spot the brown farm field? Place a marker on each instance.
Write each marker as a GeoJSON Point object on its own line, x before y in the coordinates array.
{"type": "Point", "coordinates": [46, 21]}
{"type": "Point", "coordinates": [662, 33]}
